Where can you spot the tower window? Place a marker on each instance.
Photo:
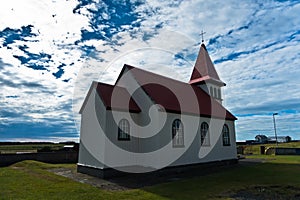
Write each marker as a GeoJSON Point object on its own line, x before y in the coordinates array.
{"type": "Point", "coordinates": [219, 93]}
{"type": "Point", "coordinates": [215, 92]}
{"type": "Point", "coordinates": [211, 91]}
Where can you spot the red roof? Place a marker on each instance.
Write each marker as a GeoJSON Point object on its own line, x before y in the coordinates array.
{"type": "Point", "coordinates": [176, 96]}
{"type": "Point", "coordinates": [120, 98]}
{"type": "Point", "coordinates": [204, 69]}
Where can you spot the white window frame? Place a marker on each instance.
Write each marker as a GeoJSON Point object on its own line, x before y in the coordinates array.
{"type": "Point", "coordinates": [177, 133]}
{"type": "Point", "coordinates": [124, 130]}
{"type": "Point", "coordinates": [211, 90]}
{"type": "Point", "coordinates": [226, 135]}
{"type": "Point", "coordinates": [204, 134]}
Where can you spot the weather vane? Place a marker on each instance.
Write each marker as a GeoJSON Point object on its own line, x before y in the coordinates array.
{"type": "Point", "coordinates": [202, 34]}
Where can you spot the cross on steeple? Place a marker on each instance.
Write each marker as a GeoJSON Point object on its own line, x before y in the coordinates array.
{"type": "Point", "coordinates": [202, 34]}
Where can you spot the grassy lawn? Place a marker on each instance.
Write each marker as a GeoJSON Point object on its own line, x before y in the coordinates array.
{"type": "Point", "coordinates": [279, 159]}
{"type": "Point", "coordinates": [279, 175]}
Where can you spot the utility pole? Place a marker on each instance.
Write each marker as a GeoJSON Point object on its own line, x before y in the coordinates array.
{"type": "Point", "coordinates": [275, 128]}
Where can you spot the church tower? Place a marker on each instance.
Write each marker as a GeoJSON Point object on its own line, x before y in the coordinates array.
{"type": "Point", "coordinates": [205, 75]}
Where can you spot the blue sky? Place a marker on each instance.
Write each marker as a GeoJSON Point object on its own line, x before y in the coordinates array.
{"type": "Point", "coordinates": [51, 51]}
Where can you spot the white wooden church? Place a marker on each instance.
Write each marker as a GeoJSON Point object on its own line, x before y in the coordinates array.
{"type": "Point", "coordinates": [147, 122]}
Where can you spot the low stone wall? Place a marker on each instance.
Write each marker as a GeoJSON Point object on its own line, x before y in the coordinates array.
{"type": "Point", "coordinates": [282, 151]}
{"type": "Point", "coordinates": [48, 157]}
{"type": "Point", "coordinates": [287, 151]}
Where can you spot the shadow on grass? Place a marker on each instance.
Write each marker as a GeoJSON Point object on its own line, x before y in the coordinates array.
{"type": "Point", "coordinates": [134, 181]}
{"type": "Point", "coordinates": [244, 181]}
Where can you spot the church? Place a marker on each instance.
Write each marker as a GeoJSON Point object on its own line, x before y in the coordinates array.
{"type": "Point", "coordinates": [147, 122]}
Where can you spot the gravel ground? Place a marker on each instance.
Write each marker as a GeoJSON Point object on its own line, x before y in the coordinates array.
{"type": "Point", "coordinates": [273, 192]}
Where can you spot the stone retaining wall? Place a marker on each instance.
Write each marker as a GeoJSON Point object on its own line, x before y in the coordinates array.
{"type": "Point", "coordinates": [282, 151]}
{"type": "Point", "coordinates": [48, 157]}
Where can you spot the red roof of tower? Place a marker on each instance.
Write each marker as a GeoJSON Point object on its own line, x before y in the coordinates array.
{"type": "Point", "coordinates": [204, 69]}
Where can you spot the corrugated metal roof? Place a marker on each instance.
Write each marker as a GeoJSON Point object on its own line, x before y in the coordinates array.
{"type": "Point", "coordinates": [120, 98]}
{"type": "Point", "coordinates": [176, 96]}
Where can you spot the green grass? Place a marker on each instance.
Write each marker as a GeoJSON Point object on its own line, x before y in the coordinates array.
{"type": "Point", "coordinates": [31, 180]}
{"type": "Point", "coordinates": [280, 159]}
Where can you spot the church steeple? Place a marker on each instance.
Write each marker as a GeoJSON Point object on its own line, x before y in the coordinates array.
{"type": "Point", "coordinates": [205, 75]}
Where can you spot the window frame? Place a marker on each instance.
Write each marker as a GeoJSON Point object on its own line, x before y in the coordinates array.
{"type": "Point", "coordinates": [226, 135]}
{"type": "Point", "coordinates": [204, 138]}
{"type": "Point", "coordinates": [215, 93]}
{"type": "Point", "coordinates": [124, 130]}
{"type": "Point", "coordinates": [211, 90]}
{"type": "Point", "coordinates": [177, 134]}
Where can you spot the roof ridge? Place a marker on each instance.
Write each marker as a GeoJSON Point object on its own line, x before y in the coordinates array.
{"type": "Point", "coordinates": [143, 70]}
{"type": "Point", "coordinates": [102, 83]}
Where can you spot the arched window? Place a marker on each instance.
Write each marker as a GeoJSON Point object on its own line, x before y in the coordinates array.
{"type": "Point", "coordinates": [177, 133]}
{"type": "Point", "coordinates": [225, 134]}
{"type": "Point", "coordinates": [124, 130]}
{"type": "Point", "coordinates": [204, 134]}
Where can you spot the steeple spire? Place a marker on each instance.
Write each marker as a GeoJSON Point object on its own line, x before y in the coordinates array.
{"type": "Point", "coordinates": [204, 69]}
{"type": "Point", "coordinates": [205, 75]}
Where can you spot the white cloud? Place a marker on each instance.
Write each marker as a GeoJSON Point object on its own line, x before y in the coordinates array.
{"type": "Point", "coordinates": [261, 77]}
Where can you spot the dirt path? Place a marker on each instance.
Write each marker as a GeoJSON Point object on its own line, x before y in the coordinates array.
{"type": "Point", "coordinates": [91, 180]}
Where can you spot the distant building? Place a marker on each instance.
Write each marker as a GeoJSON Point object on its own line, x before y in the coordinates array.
{"type": "Point", "coordinates": [262, 139]}
{"type": "Point", "coordinates": [280, 139]}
